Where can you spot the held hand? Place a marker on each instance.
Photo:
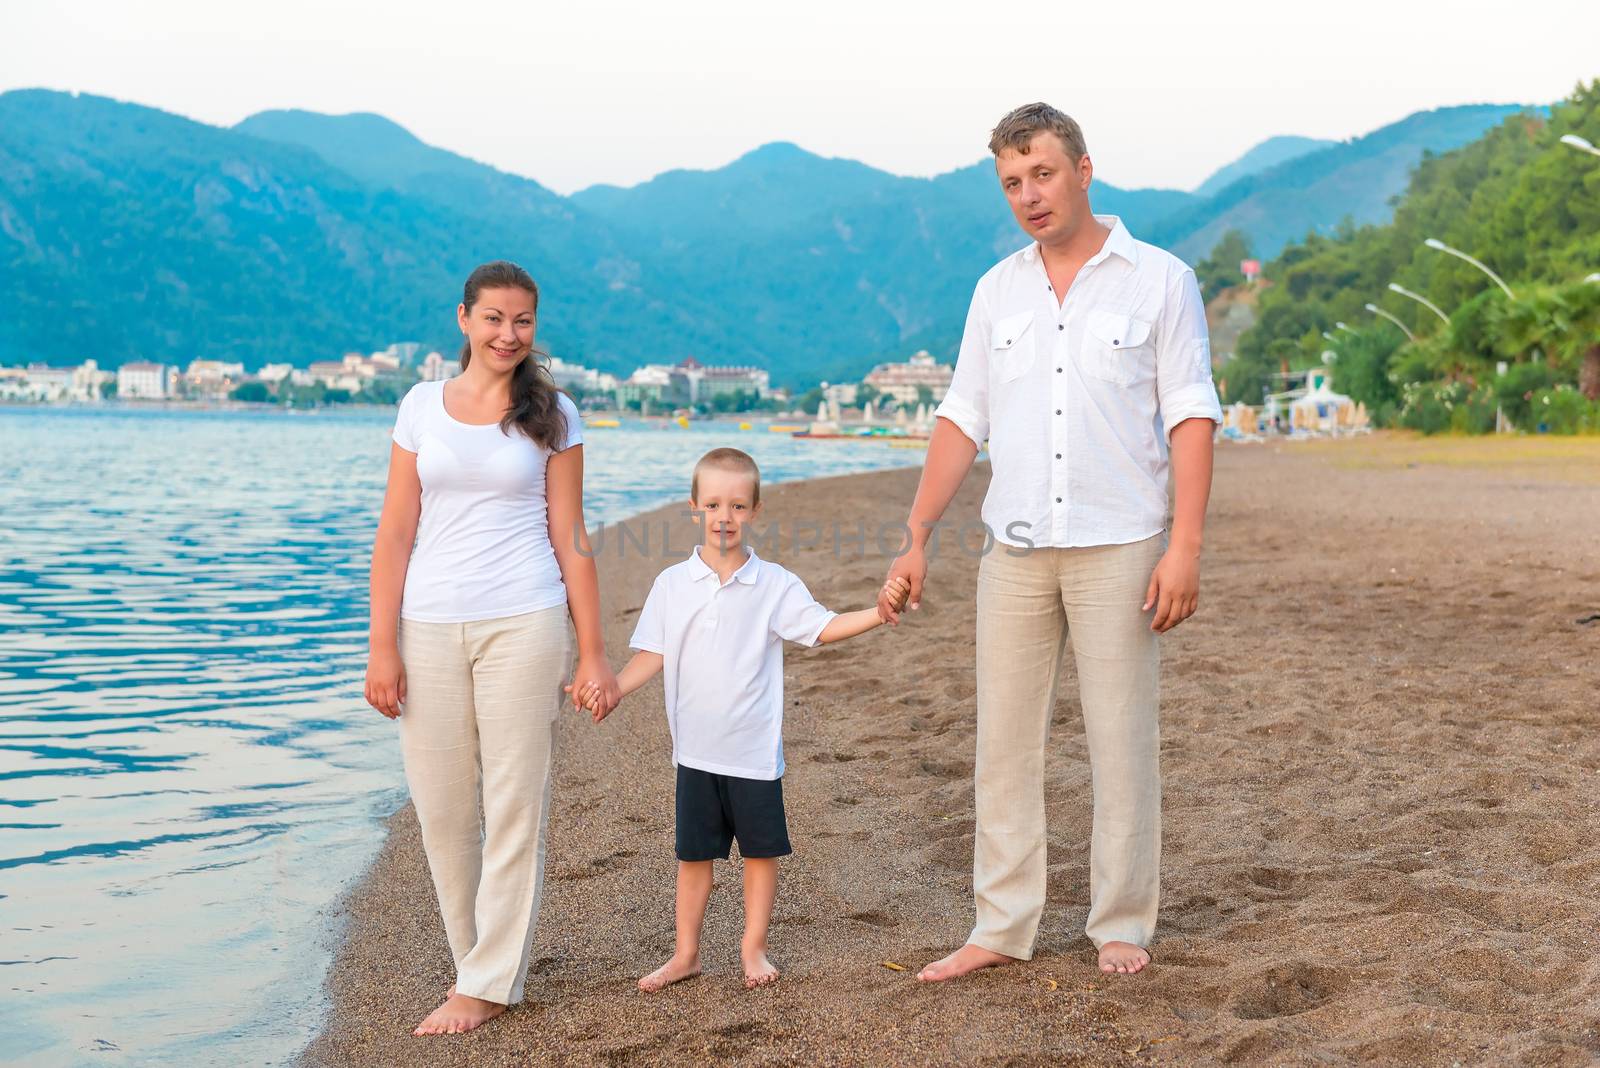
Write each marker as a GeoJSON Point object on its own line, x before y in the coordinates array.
{"type": "Point", "coordinates": [385, 688]}
{"type": "Point", "coordinates": [599, 674]}
{"type": "Point", "coordinates": [1174, 589]}
{"type": "Point", "coordinates": [589, 697]}
{"type": "Point", "coordinates": [892, 597]}
{"type": "Point", "coordinates": [912, 567]}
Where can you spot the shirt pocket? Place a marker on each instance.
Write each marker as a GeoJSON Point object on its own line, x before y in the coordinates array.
{"type": "Point", "coordinates": [1117, 347]}
{"type": "Point", "coordinates": [1011, 347]}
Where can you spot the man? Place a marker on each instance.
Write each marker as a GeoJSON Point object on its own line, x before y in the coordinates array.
{"type": "Point", "coordinates": [1085, 363]}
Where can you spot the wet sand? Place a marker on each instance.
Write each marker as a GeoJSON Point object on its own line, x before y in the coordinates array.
{"type": "Point", "coordinates": [1382, 836]}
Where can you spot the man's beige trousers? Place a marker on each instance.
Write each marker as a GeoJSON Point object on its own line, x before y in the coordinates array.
{"type": "Point", "coordinates": [1027, 605]}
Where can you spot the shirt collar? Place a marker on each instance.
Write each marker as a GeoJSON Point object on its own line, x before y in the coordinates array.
{"type": "Point", "coordinates": [1118, 243]}
{"type": "Point", "coordinates": [699, 569]}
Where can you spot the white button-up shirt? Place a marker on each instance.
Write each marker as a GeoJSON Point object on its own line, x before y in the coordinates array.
{"type": "Point", "coordinates": [1077, 398]}
{"type": "Point", "coordinates": [721, 646]}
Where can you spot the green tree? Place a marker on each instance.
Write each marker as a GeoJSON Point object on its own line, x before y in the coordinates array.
{"type": "Point", "coordinates": [1220, 270]}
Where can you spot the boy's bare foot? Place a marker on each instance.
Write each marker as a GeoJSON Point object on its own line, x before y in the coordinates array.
{"type": "Point", "coordinates": [458, 1015]}
{"type": "Point", "coordinates": [1123, 957]}
{"type": "Point", "coordinates": [758, 970]}
{"type": "Point", "coordinates": [969, 958]}
{"type": "Point", "coordinates": [673, 971]}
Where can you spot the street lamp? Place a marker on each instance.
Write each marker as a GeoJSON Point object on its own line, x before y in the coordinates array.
{"type": "Point", "coordinates": [1375, 310]}
{"type": "Point", "coordinates": [1420, 299]}
{"type": "Point", "coordinates": [1439, 246]}
{"type": "Point", "coordinates": [1580, 144]}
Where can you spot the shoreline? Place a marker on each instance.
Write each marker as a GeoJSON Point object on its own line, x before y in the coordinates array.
{"type": "Point", "coordinates": [1377, 748]}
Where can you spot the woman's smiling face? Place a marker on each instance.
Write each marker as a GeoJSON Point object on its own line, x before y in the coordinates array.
{"type": "Point", "coordinates": [499, 327]}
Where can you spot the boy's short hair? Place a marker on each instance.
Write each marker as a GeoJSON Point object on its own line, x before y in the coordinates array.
{"type": "Point", "coordinates": [1017, 130]}
{"type": "Point", "coordinates": [732, 460]}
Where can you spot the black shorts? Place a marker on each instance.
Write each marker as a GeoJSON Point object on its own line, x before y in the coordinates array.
{"type": "Point", "coordinates": [715, 809]}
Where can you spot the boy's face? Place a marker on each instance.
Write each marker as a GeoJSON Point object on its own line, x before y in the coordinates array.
{"type": "Point", "coordinates": [726, 504]}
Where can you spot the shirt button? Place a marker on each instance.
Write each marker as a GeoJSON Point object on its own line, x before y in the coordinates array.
{"type": "Point", "coordinates": [1058, 370]}
{"type": "Point", "coordinates": [1058, 411]}
{"type": "Point", "coordinates": [1058, 456]}
{"type": "Point", "coordinates": [1058, 500]}
{"type": "Point", "coordinates": [1061, 326]}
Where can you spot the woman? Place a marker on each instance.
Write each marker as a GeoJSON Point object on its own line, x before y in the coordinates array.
{"type": "Point", "coordinates": [481, 554]}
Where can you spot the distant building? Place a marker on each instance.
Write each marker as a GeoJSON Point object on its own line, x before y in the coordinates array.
{"type": "Point", "coordinates": [274, 373]}
{"type": "Point", "coordinates": [47, 383]}
{"type": "Point", "coordinates": [352, 373]}
{"type": "Point", "coordinates": [706, 383]}
{"type": "Point", "coordinates": [902, 379]}
{"type": "Point", "coordinates": [840, 394]}
{"type": "Point", "coordinates": [435, 368]}
{"type": "Point", "coordinates": [573, 375]}
{"type": "Point", "coordinates": [654, 383]}
{"type": "Point", "coordinates": [338, 374]}
{"type": "Point", "coordinates": [142, 380]}
{"type": "Point", "coordinates": [88, 382]}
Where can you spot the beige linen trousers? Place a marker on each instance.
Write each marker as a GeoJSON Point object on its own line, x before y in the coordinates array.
{"type": "Point", "coordinates": [1028, 603]}
{"type": "Point", "coordinates": [481, 703]}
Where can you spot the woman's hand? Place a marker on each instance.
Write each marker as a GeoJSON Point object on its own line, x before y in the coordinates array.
{"type": "Point", "coordinates": [595, 672]}
{"type": "Point", "coordinates": [386, 682]}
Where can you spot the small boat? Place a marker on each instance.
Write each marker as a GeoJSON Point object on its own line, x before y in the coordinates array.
{"type": "Point", "coordinates": [784, 428]}
{"type": "Point", "coordinates": [744, 426]}
{"type": "Point", "coordinates": [603, 423]}
{"type": "Point", "coordinates": [683, 421]}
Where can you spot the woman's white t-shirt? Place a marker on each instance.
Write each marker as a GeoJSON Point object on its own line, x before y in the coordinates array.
{"type": "Point", "coordinates": [483, 540]}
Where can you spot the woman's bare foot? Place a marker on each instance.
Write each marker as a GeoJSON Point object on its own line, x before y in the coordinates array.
{"type": "Point", "coordinates": [673, 971]}
{"type": "Point", "coordinates": [458, 1015]}
{"type": "Point", "coordinates": [969, 958]}
{"type": "Point", "coordinates": [1123, 957]}
{"type": "Point", "coordinates": [758, 970]}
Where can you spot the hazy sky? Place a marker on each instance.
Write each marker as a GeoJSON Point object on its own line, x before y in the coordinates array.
{"type": "Point", "coordinates": [577, 93]}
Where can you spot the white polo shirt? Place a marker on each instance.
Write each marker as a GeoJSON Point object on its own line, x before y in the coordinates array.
{"type": "Point", "coordinates": [1077, 399]}
{"type": "Point", "coordinates": [721, 646]}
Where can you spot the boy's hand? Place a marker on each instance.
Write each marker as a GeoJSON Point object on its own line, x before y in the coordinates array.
{"type": "Point", "coordinates": [592, 699]}
{"type": "Point", "coordinates": [892, 598]}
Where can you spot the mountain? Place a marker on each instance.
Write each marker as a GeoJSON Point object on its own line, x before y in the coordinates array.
{"type": "Point", "coordinates": [297, 236]}
{"type": "Point", "coordinates": [1315, 192]}
{"type": "Point", "coordinates": [1265, 156]}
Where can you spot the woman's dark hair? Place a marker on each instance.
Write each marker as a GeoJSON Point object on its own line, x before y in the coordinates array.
{"type": "Point", "coordinates": [535, 409]}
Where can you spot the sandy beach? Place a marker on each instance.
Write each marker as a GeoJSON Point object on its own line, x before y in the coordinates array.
{"type": "Point", "coordinates": [1381, 771]}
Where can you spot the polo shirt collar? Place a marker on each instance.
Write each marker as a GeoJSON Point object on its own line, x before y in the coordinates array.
{"type": "Point", "coordinates": [1118, 243]}
{"type": "Point", "coordinates": [699, 569]}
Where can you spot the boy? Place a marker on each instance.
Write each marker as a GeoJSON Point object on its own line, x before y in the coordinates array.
{"type": "Point", "coordinates": [716, 624]}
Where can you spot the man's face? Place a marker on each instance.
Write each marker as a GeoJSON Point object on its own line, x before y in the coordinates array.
{"type": "Point", "coordinates": [1048, 193]}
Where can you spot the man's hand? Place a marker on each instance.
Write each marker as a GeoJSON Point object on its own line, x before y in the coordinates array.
{"type": "Point", "coordinates": [910, 568]}
{"type": "Point", "coordinates": [1174, 588]}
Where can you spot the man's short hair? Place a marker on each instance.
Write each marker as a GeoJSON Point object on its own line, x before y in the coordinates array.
{"type": "Point", "coordinates": [1016, 131]}
{"type": "Point", "coordinates": [731, 460]}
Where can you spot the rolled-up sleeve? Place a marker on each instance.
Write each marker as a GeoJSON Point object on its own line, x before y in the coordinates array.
{"type": "Point", "coordinates": [1183, 358]}
{"type": "Point", "coordinates": [966, 404]}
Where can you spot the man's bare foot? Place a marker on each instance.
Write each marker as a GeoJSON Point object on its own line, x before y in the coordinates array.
{"type": "Point", "coordinates": [673, 971]}
{"type": "Point", "coordinates": [458, 1015]}
{"type": "Point", "coordinates": [758, 970]}
{"type": "Point", "coordinates": [969, 958]}
{"type": "Point", "coordinates": [1123, 957]}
